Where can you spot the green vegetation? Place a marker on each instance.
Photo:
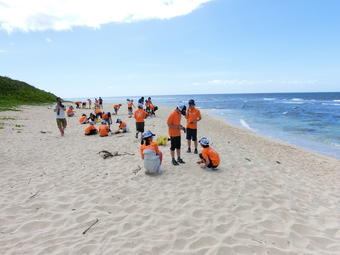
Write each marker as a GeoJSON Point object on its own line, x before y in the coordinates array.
{"type": "Point", "coordinates": [7, 118]}
{"type": "Point", "coordinates": [14, 93]}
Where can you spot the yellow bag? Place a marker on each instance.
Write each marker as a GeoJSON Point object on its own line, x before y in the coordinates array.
{"type": "Point", "coordinates": [162, 140]}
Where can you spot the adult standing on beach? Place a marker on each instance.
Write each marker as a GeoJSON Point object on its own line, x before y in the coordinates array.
{"type": "Point", "coordinates": [60, 109]}
{"type": "Point", "coordinates": [100, 102]}
{"type": "Point", "coordinates": [193, 116]}
{"type": "Point", "coordinates": [175, 127]}
{"type": "Point", "coordinates": [140, 115]}
{"type": "Point", "coordinates": [90, 102]}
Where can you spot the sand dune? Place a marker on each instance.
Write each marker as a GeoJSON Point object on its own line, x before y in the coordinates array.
{"type": "Point", "coordinates": [267, 197]}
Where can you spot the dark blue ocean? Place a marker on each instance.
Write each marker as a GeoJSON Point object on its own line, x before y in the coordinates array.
{"type": "Point", "coordinates": [309, 120]}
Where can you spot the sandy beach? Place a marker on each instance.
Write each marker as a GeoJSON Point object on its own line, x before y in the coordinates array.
{"type": "Point", "coordinates": [58, 196]}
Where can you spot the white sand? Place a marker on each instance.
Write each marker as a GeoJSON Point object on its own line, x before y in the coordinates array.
{"type": "Point", "coordinates": [53, 188]}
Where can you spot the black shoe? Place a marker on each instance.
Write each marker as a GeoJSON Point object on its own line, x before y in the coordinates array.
{"type": "Point", "coordinates": [196, 151]}
{"type": "Point", "coordinates": [179, 160]}
{"type": "Point", "coordinates": [189, 150]}
{"type": "Point", "coordinates": [174, 162]}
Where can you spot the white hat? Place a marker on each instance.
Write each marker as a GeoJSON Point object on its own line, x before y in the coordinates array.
{"type": "Point", "coordinates": [147, 134]}
{"type": "Point", "coordinates": [181, 107]}
{"type": "Point", "coordinates": [204, 141]}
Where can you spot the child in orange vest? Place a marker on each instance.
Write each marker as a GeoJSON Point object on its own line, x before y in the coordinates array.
{"type": "Point", "coordinates": [83, 119]}
{"type": "Point", "coordinates": [150, 153]}
{"type": "Point", "coordinates": [104, 129]}
{"type": "Point", "coordinates": [209, 157]}
{"type": "Point", "coordinates": [91, 129]}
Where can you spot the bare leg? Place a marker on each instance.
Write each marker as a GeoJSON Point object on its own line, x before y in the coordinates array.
{"type": "Point", "coordinates": [178, 152]}
{"type": "Point", "coordinates": [172, 154]}
{"type": "Point", "coordinates": [189, 143]}
{"type": "Point", "coordinates": [195, 142]}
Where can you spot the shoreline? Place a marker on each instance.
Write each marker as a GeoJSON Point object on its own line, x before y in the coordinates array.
{"type": "Point", "coordinates": [267, 196]}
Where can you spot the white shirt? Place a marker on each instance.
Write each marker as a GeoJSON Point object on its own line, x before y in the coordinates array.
{"type": "Point", "coordinates": [61, 114]}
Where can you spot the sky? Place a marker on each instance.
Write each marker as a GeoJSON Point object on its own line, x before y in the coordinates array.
{"type": "Point", "coordinates": [84, 48]}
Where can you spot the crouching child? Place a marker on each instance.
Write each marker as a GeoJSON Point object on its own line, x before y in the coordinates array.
{"type": "Point", "coordinates": [150, 153]}
{"type": "Point", "coordinates": [91, 129]}
{"type": "Point", "coordinates": [209, 157]}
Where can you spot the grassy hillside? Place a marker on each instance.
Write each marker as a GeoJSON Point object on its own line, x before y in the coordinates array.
{"type": "Point", "coordinates": [14, 93]}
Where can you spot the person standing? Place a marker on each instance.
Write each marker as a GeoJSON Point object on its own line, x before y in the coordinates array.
{"type": "Point", "coordinates": [90, 102]}
{"type": "Point", "coordinates": [140, 115]}
{"type": "Point", "coordinates": [60, 109]}
{"type": "Point", "coordinates": [175, 127]}
{"type": "Point", "coordinates": [130, 106]}
{"type": "Point", "coordinates": [193, 116]}
{"type": "Point", "coordinates": [100, 102]}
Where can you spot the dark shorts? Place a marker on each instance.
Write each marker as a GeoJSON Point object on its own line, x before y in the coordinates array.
{"type": "Point", "coordinates": [192, 134]}
{"type": "Point", "coordinates": [140, 126]}
{"type": "Point", "coordinates": [61, 123]}
{"type": "Point", "coordinates": [175, 142]}
{"type": "Point", "coordinates": [210, 164]}
{"type": "Point", "coordinates": [130, 109]}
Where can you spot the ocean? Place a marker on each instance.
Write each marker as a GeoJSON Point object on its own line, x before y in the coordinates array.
{"type": "Point", "coordinates": [308, 120]}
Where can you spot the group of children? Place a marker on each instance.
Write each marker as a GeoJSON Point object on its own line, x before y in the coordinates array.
{"type": "Point", "coordinates": [149, 150]}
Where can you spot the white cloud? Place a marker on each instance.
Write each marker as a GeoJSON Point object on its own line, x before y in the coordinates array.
{"type": "Point", "coordinates": [33, 15]}
{"type": "Point", "coordinates": [48, 40]}
{"type": "Point", "coordinates": [255, 82]}
{"type": "Point", "coordinates": [3, 51]}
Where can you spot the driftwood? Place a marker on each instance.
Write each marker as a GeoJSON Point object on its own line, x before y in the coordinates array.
{"type": "Point", "coordinates": [106, 154]}
{"type": "Point", "coordinates": [36, 193]}
{"type": "Point", "coordinates": [137, 170]}
{"type": "Point", "coordinates": [94, 223]}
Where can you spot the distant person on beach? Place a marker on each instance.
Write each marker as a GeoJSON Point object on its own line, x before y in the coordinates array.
{"type": "Point", "coordinates": [100, 100]}
{"type": "Point", "coordinates": [116, 108]}
{"type": "Point", "coordinates": [122, 128]}
{"type": "Point", "coordinates": [140, 115]}
{"type": "Point", "coordinates": [91, 129]}
{"type": "Point", "coordinates": [83, 105]}
{"type": "Point", "coordinates": [90, 103]}
{"type": "Point", "coordinates": [60, 109]}
{"type": "Point", "coordinates": [98, 113]}
{"type": "Point", "coordinates": [77, 104]}
{"type": "Point", "coordinates": [147, 104]}
{"type": "Point", "coordinates": [104, 129]}
{"type": "Point", "coordinates": [175, 127]}
{"type": "Point", "coordinates": [107, 117]}
{"type": "Point", "coordinates": [193, 116]}
{"type": "Point", "coordinates": [130, 107]}
{"type": "Point", "coordinates": [92, 117]}
{"type": "Point", "coordinates": [141, 101]}
{"type": "Point", "coordinates": [209, 157]}
{"type": "Point", "coordinates": [151, 154]}
{"type": "Point", "coordinates": [83, 119]}
{"type": "Point", "coordinates": [70, 112]}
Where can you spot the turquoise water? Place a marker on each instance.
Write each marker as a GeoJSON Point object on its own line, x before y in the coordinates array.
{"type": "Point", "coordinates": [309, 120]}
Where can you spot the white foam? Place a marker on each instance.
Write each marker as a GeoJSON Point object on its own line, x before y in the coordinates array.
{"type": "Point", "coordinates": [297, 99]}
{"type": "Point", "coordinates": [336, 100]}
{"type": "Point", "coordinates": [245, 124]}
{"type": "Point", "coordinates": [331, 104]}
{"type": "Point", "coordinates": [284, 112]}
{"type": "Point", "coordinates": [268, 99]}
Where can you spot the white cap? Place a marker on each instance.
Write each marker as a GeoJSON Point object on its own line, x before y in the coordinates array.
{"type": "Point", "coordinates": [204, 141]}
{"type": "Point", "coordinates": [181, 107]}
{"type": "Point", "coordinates": [147, 134]}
